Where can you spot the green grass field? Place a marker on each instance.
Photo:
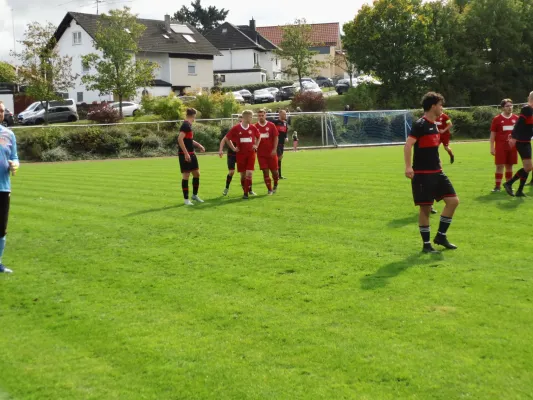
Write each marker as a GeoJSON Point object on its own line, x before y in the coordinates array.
{"type": "Point", "coordinates": [320, 292]}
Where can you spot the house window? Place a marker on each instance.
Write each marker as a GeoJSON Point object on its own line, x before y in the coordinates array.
{"type": "Point", "coordinates": [262, 77]}
{"type": "Point", "coordinates": [76, 38]}
{"type": "Point", "coordinates": [255, 59]}
{"type": "Point", "coordinates": [222, 78]}
{"type": "Point", "coordinates": [80, 97]}
{"type": "Point", "coordinates": [276, 61]}
{"type": "Point", "coordinates": [192, 68]}
{"type": "Point", "coordinates": [224, 30]}
{"type": "Point", "coordinates": [84, 68]}
{"type": "Point", "coordinates": [189, 38]}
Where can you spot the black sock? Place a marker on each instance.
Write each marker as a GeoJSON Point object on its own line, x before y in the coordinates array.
{"type": "Point", "coordinates": [517, 176]}
{"type": "Point", "coordinates": [279, 167]}
{"type": "Point", "coordinates": [195, 185]}
{"type": "Point", "coordinates": [523, 180]}
{"type": "Point", "coordinates": [425, 233]}
{"type": "Point", "coordinates": [185, 188]}
{"type": "Point", "coordinates": [445, 223]}
{"type": "Point", "coordinates": [228, 181]}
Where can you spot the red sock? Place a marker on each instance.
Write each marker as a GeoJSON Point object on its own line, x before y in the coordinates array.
{"type": "Point", "coordinates": [247, 184]}
{"type": "Point", "coordinates": [509, 175]}
{"type": "Point", "coordinates": [276, 178]}
{"type": "Point", "coordinates": [268, 183]}
{"type": "Point", "coordinates": [499, 178]}
{"type": "Point", "coordinates": [242, 182]}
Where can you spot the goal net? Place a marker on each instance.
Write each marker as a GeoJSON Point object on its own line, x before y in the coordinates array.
{"type": "Point", "coordinates": [348, 128]}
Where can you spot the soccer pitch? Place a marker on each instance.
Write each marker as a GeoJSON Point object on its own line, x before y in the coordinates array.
{"type": "Point", "coordinates": [318, 292]}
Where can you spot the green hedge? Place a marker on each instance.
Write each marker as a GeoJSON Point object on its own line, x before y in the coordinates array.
{"type": "Point", "coordinates": [255, 86]}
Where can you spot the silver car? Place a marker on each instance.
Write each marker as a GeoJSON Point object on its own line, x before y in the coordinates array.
{"type": "Point", "coordinates": [55, 115]}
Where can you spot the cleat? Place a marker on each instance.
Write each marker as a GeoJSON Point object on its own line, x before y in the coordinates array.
{"type": "Point", "coordinates": [225, 192]}
{"type": "Point", "coordinates": [252, 193]}
{"type": "Point", "coordinates": [245, 197]}
{"type": "Point", "coordinates": [5, 270]}
{"type": "Point", "coordinates": [496, 190]}
{"type": "Point", "coordinates": [196, 198]}
{"type": "Point", "coordinates": [508, 188]}
{"type": "Point", "coordinates": [520, 194]}
{"type": "Point", "coordinates": [452, 159]}
{"type": "Point", "coordinates": [442, 240]}
{"type": "Point", "coordinates": [433, 211]}
{"type": "Point", "coordinates": [270, 192]}
{"type": "Point", "coordinates": [189, 203]}
{"type": "Point", "coordinates": [428, 248]}
{"type": "Point", "coordinates": [274, 191]}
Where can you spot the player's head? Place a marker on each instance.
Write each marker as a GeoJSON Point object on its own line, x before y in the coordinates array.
{"type": "Point", "coordinates": [2, 111]}
{"type": "Point", "coordinates": [507, 106]}
{"type": "Point", "coordinates": [432, 103]}
{"type": "Point", "coordinates": [261, 116]}
{"type": "Point", "coordinates": [530, 99]}
{"type": "Point", "coordinates": [190, 114]}
{"type": "Point", "coordinates": [247, 116]}
{"type": "Point", "coordinates": [282, 115]}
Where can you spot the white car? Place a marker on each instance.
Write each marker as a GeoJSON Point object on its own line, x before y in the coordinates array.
{"type": "Point", "coordinates": [237, 96]}
{"type": "Point", "coordinates": [263, 96]}
{"type": "Point", "coordinates": [129, 109]}
{"type": "Point", "coordinates": [309, 87]}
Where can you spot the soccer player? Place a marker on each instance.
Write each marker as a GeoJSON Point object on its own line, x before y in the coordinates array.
{"type": "Point", "coordinates": [521, 138]}
{"type": "Point", "coordinates": [283, 128]}
{"type": "Point", "coordinates": [295, 141]}
{"type": "Point", "coordinates": [428, 181]}
{"type": "Point", "coordinates": [444, 123]}
{"type": "Point", "coordinates": [247, 138]}
{"type": "Point", "coordinates": [232, 160]}
{"type": "Point", "coordinates": [267, 152]}
{"type": "Point", "coordinates": [188, 159]}
{"type": "Point", "coordinates": [9, 163]}
{"type": "Point", "coordinates": [500, 132]}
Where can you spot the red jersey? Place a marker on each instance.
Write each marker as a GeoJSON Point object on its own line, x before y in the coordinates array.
{"type": "Point", "coordinates": [442, 122]}
{"type": "Point", "coordinates": [503, 127]}
{"type": "Point", "coordinates": [245, 138]}
{"type": "Point", "coordinates": [268, 134]}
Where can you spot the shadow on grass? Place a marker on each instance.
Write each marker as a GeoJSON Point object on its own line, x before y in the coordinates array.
{"type": "Point", "coordinates": [381, 277]}
{"type": "Point", "coordinates": [502, 200]}
{"type": "Point", "coordinates": [401, 222]}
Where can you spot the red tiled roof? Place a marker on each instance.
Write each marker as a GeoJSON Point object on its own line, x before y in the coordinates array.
{"type": "Point", "coordinates": [322, 34]}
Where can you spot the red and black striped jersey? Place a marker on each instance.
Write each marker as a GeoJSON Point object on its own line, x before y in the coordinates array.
{"type": "Point", "coordinates": [283, 128]}
{"type": "Point", "coordinates": [426, 149]}
{"type": "Point", "coordinates": [523, 130]}
{"type": "Point", "coordinates": [186, 128]}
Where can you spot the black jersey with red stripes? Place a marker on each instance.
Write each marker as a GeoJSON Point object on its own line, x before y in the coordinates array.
{"type": "Point", "coordinates": [523, 129]}
{"type": "Point", "coordinates": [426, 149]}
{"type": "Point", "coordinates": [282, 128]}
{"type": "Point", "coordinates": [186, 128]}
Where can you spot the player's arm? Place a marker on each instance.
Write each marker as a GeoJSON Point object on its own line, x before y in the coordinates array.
{"type": "Point", "coordinates": [407, 156]}
{"type": "Point", "coordinates": [221, 147]}
{"type": "Point", "coordinates": [229, 142]}
{"type": "Point", "coordinates": [199, 146]}
{"type": "Point", "coordinates": [13, 157]}
{"type": "Point", "coordinates": [276, 141]}
{"type": "Point", "coordinates": [257, 139]}
{"type": "Point", "coordinates": [492, 142]}
{"type": "Point", "coordinates": [181, 144]}
{"type": "Point", "coordinates": [448, 126]}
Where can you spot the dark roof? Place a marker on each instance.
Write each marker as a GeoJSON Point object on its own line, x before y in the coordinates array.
{"type": "Point", "coordinates": [161, 83]}
{"type": "Point", "coordinates": [238, 37]}
{"type": "Point", "coordinates": [152, 39]}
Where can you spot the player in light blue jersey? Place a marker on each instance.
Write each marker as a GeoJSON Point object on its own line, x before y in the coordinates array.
{"type": "Point", "coordinates": [9, 163]}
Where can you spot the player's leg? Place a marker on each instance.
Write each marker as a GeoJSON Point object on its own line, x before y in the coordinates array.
{"type": "Point", "coordinates": [231, 171]}
{"type": "Point", "coordinates": [268, 181]}
{"type": "Point", "coordinates": [445, 140]}
{"type": "Point", "coordinates": [444, 191]}
{"type": "Point", "coordinates": [498, 176]}
{"type": "Point", "coordinates": [4, 213]}
{"type": "Point", "coordinates": [250, 166]}
{"type": "Point", "coordinates": [425, 231]}
{"type": "Point", "coordinates": [185, 187]}
{"type": "Point", "coordinates": [273, 166]}
{"type": "Point", "coordinates": [423, 197]}
{"type": "Point", "coordinates": [450, 153]}
{"type": "Point", "coordinates": [528, 166]}
{"type": "Point", "coordinates": [281, 150]}
{"type": "Point", "coordinates": [524, 149]}
{"type": "Point", "coordinates": [196, 185]}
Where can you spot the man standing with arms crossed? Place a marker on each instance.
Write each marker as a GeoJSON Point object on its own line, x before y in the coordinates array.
{"type": "Point", "coordinates": [9, 163]}
{"type": "Point", "coordinates": [428, 182]}
{"type": "Point", "coordinates": [267, 152]}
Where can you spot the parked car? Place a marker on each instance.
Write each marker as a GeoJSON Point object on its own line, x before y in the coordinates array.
{"type": "Point", "coordinates": [309, 87]}
{"type": "Point", "coordinates": [8, 118]}
{"type": "Point", "coordinates": [310, 80]}
{"type": "Point", "coordinates": [246, 95]}
{"type": "Point", "coordinates": [273, 90]}
{"type": "Point", "coordinates": [237, 96]}
{"type": "Point", "coordinates": [55, 114]}
{"type": "Point", "coordinates": [343, 86]}
{"type": "Point", "coordinates": [129, 109]}
{"type": "Point", "coordinates": [286, 93]}
{"type": "Point", "coordinates": [263, 96]}
{"type": "Point", "coordinates": [322, 81]}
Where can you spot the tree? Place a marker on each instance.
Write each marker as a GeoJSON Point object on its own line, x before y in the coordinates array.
{"type": "Point", "coordinates": [7, 73]}
{"type": "Point", "coordinates": [346, 62]}
{"type": "Point", "coordinates": [295, 47]}
{"type": "Point", "coordinates": [42, 71]}
{"type": "Point", "coordinates": [386, 39]}
{"type": "Point", "coordinates": [203, 19]}
{"type": "Point", "coordinates": [117, 71]}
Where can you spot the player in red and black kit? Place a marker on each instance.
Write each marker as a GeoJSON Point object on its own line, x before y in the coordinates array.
{"type": "Point", "coordinates": [428, 181]}
{"type": "Point", "coordinates": [283, 128]}
{"type": "Point", "coordinates": [521, 138]}
{"type": "Point", "coordinates": [500, 132]}
{"type": "Point", "coordinates": [444, 123]}
{"type": "Point", "coordinates": [187, 157]}
{"type": "Point", "coordinates": [247, 138]}
{"type": "Point", "coordinates": [267, 152]}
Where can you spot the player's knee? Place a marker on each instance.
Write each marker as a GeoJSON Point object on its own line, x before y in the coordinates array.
{"type": "Point", "coordinates": [265, 173]}
{"type": "Point", "coordinates": [185, 176]}
{"type": "Point", "coordinates": [231, 172]}
{"type": "Point", "coordinates": [453, 202]}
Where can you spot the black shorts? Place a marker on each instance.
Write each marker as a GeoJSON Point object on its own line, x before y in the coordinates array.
{"type": "Point", "coordinates": [281, 149]}
{"type": "Point", "coordinates": [188, 166]}
{"type": "Point", "coordinates": [232, 160]}
{"type": "Point", "coordinates": [524, 149]}
{"type": "Point", "coordinates": [430, 187]}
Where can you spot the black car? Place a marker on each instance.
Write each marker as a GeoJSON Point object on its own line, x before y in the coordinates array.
{"type": "Point", "coordinates": [8, 118]}
{"type": "Point", "coordinates": [342, 86]}
{"type": "Point", "coordinates": [322, 81]}
{"type": "Point", "coordinates": [286, 93]}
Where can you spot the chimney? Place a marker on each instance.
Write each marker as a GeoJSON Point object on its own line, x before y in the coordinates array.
{"type": "Point", "coordinates": [252, 24]}
{"type": "Point", "coordinates": [167, 22]}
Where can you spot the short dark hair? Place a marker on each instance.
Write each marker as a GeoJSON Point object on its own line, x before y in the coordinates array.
{"type": "Point", "coordinates": [191, 112]}
{"type": "Point", "coordinates": [505, 101]}
{"type": "Point", "coordinates": [430, 99]}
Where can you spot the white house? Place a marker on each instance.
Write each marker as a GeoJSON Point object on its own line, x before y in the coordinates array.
{"type": "Point", "coordinates": [184, 56]}
{"type": "Point", "coordinates": [246, 56]}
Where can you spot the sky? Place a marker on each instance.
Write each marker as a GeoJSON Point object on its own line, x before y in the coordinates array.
{"type": "Point", "coordinates": [272, 12]}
